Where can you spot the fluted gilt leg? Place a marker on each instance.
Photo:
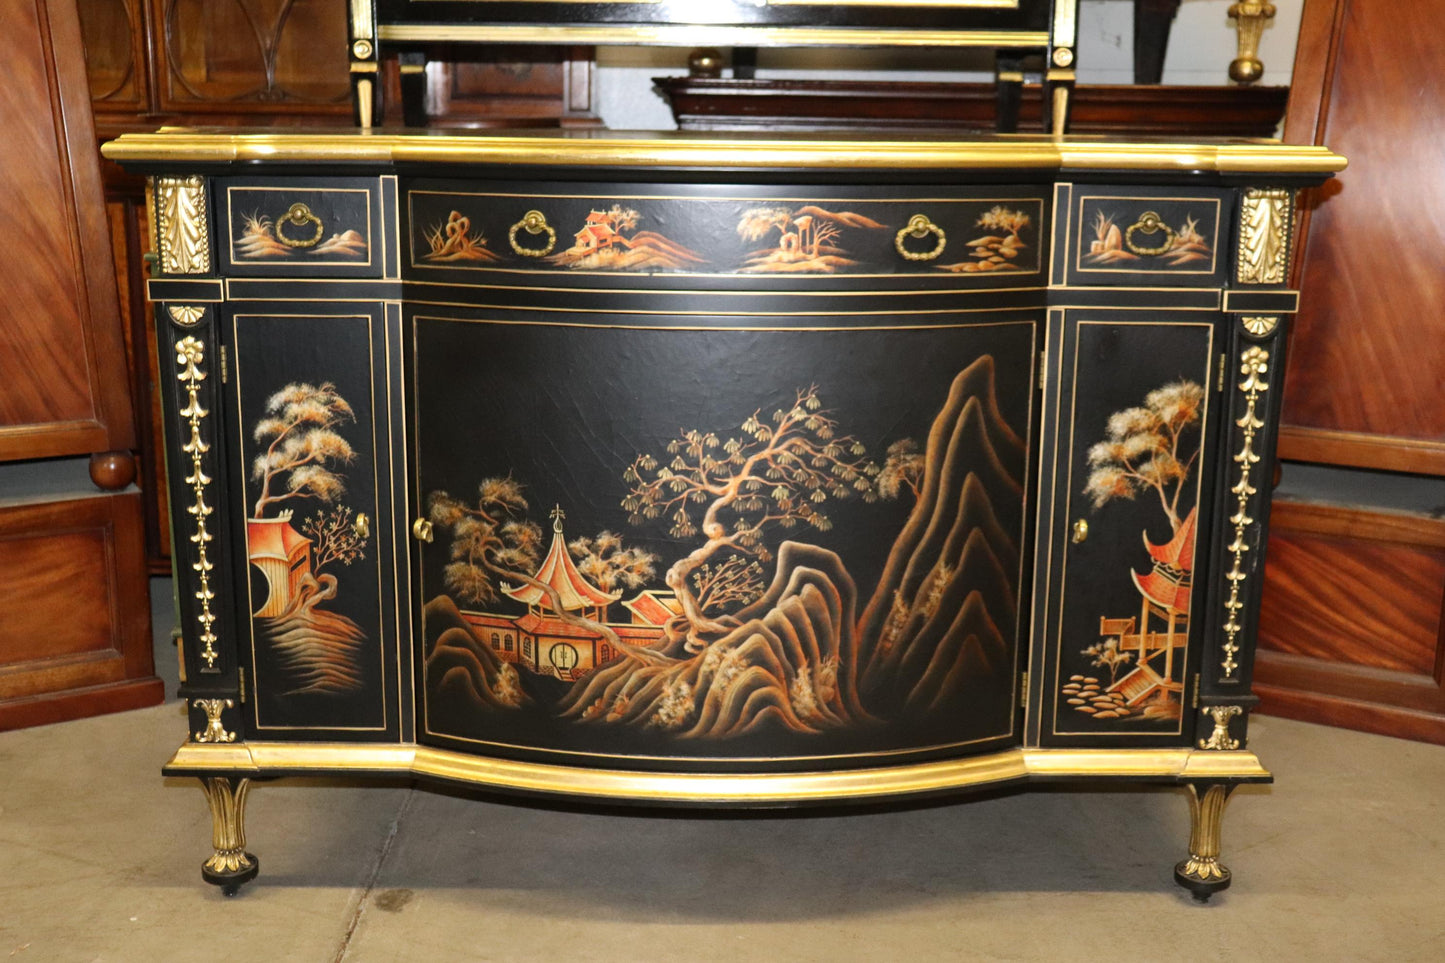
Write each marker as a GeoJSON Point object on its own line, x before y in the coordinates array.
{"type": "Point", "coordinates": [1202, 873]}
{"type": "Point", "coordinates": [231, 865]}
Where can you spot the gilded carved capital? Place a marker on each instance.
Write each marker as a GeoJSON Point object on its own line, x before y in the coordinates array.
{"type": "Point", "coordinates": [215, 731]}
{"type": "Point", "coordinates": [1220, 738]}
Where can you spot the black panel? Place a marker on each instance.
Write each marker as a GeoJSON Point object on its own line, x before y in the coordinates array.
{"type": "Point", "coordinates": [846, 657]}
{"type": "Point", "coordinates": [311, 457]}
{"type": "Point", "coordinates": [1138, 406]}
{"type": "Point", "coordinates": [1030, 15]}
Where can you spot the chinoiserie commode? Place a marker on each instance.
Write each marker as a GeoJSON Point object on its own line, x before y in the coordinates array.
{"type": "Point", "coordinates": [733, 473]}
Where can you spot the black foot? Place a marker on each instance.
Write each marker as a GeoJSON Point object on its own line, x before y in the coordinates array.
{"type": "Point", "coordinates": [231, 881]}
{"type": "Point", "coordinates": [1202, 880]}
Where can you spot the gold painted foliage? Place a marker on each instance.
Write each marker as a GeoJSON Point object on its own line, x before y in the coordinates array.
{"type": "Point", "coordinates": [303, 446]}
{"type": "Point", "coordinates": [609, 565]}
{"type": "Point", "coordinates": [1141, 450]}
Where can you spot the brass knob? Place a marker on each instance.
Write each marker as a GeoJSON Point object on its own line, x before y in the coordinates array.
{"type": "Point", "coordinates": [421, 530]}
{"type": "Point", "coordinates": [1081, 531]}
{"type": "Point", "coordinates": [300, 215]}
{"type": "Point", "coordinates": [1149, 223]}
{"type": "Point", "coordinates": [920, 226]}
{"type": "Point", "coordinates": [361, 528]}
{"type": "Point", "coordinates": [535, 222]}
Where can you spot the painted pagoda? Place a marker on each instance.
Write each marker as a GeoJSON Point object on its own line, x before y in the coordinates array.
{"type": "Point", "coordinates": [547, 644]}
{"type": "Point", "coordinates": [1162, 625]}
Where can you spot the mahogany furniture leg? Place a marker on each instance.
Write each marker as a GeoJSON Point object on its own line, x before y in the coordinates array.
{"type": "Point", "coordinates": [1202, 873]}
{"type": "Point", "coordinates": [230, 865]}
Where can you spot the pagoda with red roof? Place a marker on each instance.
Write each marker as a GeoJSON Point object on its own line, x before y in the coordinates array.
{"type": "Point", "coordinates": [547, 644]}
{"type": "Point", "coordinates": [1164, 593]}
{"type": "Point", "coordinates": [561, 575]}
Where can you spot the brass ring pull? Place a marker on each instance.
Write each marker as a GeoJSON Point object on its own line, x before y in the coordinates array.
{"type": "Point", "coordinates": [361, 528]}
{"type": "Point", "coordinates": [1149, 223]}
{"type": "Point", "coordinates": [299, 215]}
{"type": "Point", "coordinates": [421, 530]}
{"type": "Point", "coordinates": [1081, 531]}
{"type": "Point", "coordinates": [536, 223]}
{"type": "Point", "coordinates": [920, 226]}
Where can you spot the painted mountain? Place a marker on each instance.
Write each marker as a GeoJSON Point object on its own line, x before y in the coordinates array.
{"type": "Point", "coordinates": [938, 629]}
{"type": "Point", "coordinates": [935, 637]}
{"type": "Point", "coordinates": [462, 666]}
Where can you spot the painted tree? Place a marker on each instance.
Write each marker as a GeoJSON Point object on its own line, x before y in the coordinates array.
{"type": "Point", "coordinates": [733, 489]}
{"type": "Point", "coordinates": [610, 565]}
{"type": "Point", "coordinates": [493, 541]}
{"type": "Point", "coordinates": [333, 538]}
{"type": "Point", "coordinates": [902, 468]}
{"type": "Point", "coordinates": [735, 581]}
{"type": "Point", "coordinates": [1108, 655]}
{"type": "Point", "coordinates": [1141, 451]}
{"type": "Point", "coordinates": [303, 446]}
{"type": "Point", "coordinates": [623, 218]}
{"type": "Point", "coordinates": [1000, 218]}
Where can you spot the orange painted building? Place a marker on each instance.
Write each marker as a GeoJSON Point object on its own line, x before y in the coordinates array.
{"type": "Point", "coordinates": [547, 644]}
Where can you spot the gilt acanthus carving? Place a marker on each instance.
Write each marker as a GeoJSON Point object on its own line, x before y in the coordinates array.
{"type": "Point", "coordinates": [215, 731]}
{"type": "Point", "coordinates": [1220, 738]}
{"type": "Point", "coordinates": [1264, 217]}
{"type": "Point", "coordinates": [181, 234]}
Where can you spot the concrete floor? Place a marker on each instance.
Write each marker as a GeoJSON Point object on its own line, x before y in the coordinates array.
{"type": "Point", "coordinates": [100, 857]}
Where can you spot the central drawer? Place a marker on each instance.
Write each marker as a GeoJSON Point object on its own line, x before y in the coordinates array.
{"type": "Point", "coordinates": [698, 235]}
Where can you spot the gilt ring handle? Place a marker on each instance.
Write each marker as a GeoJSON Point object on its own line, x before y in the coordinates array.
{"type": "Point", "coordinates": [535, 222]}
{"type": "Point", "coordinates": [299, 215]}
{"type": "Point", "coordinates": [920, 226]}
{"type": "Point", "coordinates": [1149, 223]}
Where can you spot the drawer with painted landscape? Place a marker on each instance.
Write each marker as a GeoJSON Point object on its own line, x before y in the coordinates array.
{"type": "Point", "coordinates": [733, 235]}
{"type": "Point", "coordinates": [303, 227]}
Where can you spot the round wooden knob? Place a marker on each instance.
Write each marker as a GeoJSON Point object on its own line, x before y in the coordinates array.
{"type": "Point", "coordinates": [112, 470]}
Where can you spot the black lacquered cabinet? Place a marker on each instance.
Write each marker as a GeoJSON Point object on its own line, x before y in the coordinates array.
{"type": "Point", "coordinates": [721, 473]}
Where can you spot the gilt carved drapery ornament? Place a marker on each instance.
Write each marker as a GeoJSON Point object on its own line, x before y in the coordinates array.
{"type": "Point", "coordinates": [182, 239]}
{"type": "Point", "coordinates": [1264, 216]}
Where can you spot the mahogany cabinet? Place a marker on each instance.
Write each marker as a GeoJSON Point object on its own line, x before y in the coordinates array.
{"type": "Point", "coordinates": [1354, 619]}
{"type": "Point", "coordinates": [719, 471]}
{"type": "Point", "coordinates": [74, 611]}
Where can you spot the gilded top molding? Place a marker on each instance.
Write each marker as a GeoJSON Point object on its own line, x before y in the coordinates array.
{"type": "Point", "coordinates": [617, 149]}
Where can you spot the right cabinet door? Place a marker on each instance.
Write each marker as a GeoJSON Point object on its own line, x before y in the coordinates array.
{"type": "Point", "coordinates": [1132, 409]}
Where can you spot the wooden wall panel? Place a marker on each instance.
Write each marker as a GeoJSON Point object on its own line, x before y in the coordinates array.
{"type": "Point", "coordinates": [75, 636]}
{"type": "Point", "coordinates": [1368, 348]}
{"type": "Point", "coordinates": [1351, 625]}
{"type": "Point", "coordinates": [59, 316]}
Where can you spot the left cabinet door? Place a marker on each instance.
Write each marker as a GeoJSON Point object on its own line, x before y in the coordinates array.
{"type": "Point", "coordinates": [315, 560]}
